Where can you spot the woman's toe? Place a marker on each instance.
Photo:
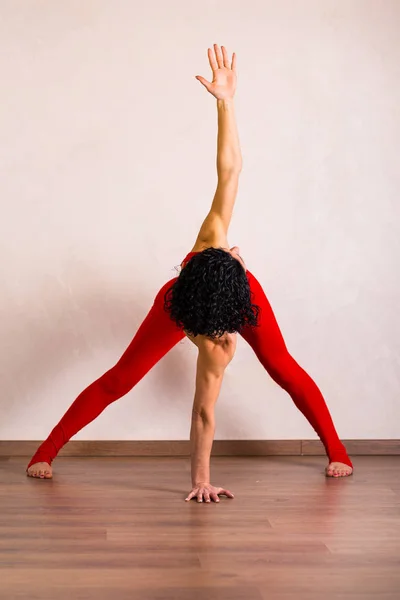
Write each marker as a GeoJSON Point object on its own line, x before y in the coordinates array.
{"type": "Point", "coordinates": [338, 471]}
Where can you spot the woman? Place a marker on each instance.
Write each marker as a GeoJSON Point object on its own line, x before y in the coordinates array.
{"type": "Point", "coordinates": [214, 297]}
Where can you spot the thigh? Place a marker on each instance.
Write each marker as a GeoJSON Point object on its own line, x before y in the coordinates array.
{"type": "Point", "coordinates": [157, 334]}
{"type": "Point", "coordinates": [266, 339]}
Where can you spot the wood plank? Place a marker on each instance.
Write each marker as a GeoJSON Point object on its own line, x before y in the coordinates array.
{"type": "Point", "coordinates": [107, 528]}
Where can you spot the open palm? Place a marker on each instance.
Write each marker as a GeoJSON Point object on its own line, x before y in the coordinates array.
{"type": "Point", "coordinates": [223, 85]}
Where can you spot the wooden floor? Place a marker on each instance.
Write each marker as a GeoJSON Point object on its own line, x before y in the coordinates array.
{"type": "Point", "coordinates": [119, 529]}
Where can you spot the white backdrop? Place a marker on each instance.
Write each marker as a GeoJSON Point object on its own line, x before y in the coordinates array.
{"type": "Point", "coordinates": [108, 168]}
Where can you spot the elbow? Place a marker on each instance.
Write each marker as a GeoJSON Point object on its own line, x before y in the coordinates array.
{"type": "Point", "coordinates": [228, 171]}
{"type": "Point", "coordinates": [203, 414]}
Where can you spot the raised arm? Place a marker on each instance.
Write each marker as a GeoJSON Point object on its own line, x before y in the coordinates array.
{"type": "Point", "coordinates": [214, 229]}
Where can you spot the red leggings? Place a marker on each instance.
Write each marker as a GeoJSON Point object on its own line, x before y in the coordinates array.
{"type": "Point", "coordinates": [156, 336]}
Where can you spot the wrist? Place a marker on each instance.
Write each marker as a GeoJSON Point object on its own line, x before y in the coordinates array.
{"type": "Point", "coordinates": [225, 102]}
{"type": "Point", "coordinates": [200, 473]}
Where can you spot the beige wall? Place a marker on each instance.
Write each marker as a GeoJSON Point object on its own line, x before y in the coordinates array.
{"type": "Point", "coordinates": [108, 168]}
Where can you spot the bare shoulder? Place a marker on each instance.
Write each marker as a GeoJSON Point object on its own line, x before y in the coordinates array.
{"type": "Point", "coordinates": [202, 341]}
{"type": "Point", "coordinates": [215, 239]}
{"type": "Point", "coordinates": [201, 245]}
{"type": "Point", "coordinates": [214, 354]}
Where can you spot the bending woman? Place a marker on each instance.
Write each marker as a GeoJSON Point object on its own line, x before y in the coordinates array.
{"type": "Point", "coordinates": [214, 297]}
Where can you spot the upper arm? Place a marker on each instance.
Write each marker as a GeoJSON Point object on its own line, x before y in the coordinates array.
{"type": "Point", "coordinates": [215, 226]}
{"type": "Point", "coordinates": [212, 360]}
{"type": "Point", "coordinates": [225, 196]}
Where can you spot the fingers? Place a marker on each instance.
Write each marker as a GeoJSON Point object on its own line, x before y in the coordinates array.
{"type": "Point", "coordinates": [226, 493]}
{"type": "Point", "coordinates": [213, 62]}
{"type": "Point", "coordinates": [221, 58]}
{"type": "Point", "coordinates": [191, 495]}
{"type": "Point", "coordinates": [218, 55]}
{"type": "Point", "coordinates": [225, 57]}
{"type": "Point", "coordinates": [198, 493]}
{"type": "Point", "coordinates": [206, 83]}
{"type": "Point", "coordinates": [208, 495]}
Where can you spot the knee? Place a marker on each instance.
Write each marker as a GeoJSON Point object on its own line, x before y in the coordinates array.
{"type": "Point", "coordinates": [281, 366]}
{"type": "Point", "coordinates": [287, 372]}
{"type": "Point", "coordinates": [115, 383]}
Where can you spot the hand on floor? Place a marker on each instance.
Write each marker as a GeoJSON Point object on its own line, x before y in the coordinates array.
{"type": "Point", "coordinates": [208, 492]}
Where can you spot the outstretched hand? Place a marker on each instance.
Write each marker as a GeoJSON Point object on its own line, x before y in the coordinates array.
{"type": "Point", "coordinates": [223, 85]}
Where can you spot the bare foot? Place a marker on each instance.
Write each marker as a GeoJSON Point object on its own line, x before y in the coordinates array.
{"type": "Point", "coordinates": [41, 470]}
{"type": "Point", "coordinates": [338, 469]}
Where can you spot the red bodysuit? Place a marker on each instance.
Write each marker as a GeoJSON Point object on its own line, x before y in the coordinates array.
{"type": "Point", "coordinates": [157, 335]}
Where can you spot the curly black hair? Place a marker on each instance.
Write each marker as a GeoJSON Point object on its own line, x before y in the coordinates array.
{"type": "Point", "coordinates": [211, 296]}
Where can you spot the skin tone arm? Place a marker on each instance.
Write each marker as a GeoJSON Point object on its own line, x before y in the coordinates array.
{"type": "Point", "coordinates": [212, 360]}
{"type": "Point", "coordinates": [208, 385]}
{"type": "Point", "coordinates": [214, 230]}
